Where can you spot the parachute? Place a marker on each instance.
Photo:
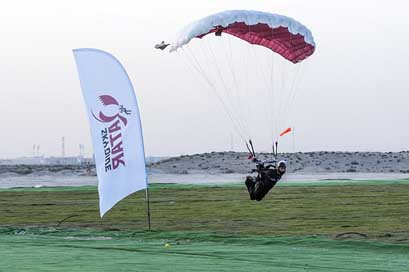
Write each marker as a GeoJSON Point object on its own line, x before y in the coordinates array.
{"type": "Point", "coordinates": [252, 64]}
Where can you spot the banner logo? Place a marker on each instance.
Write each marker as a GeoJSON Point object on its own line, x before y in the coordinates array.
{"type": "Point", "coordinates": [113, 115]}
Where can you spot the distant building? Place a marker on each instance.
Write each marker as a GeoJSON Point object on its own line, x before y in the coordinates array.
{"type": "Point", "coordinates": [41, 160]}
{"type": "Point", "coordinates": [75, 160]}
{"type": "Point", "coordinates": [27, 160]}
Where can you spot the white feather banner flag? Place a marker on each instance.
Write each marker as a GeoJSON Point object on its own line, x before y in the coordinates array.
{"type": "Point", "coordinates": [115, 126]}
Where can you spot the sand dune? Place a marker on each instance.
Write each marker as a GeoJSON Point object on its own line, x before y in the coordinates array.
{"type": "Point", "coordinates": [237, 163]}
{"type": "Point", "coordinates": [299, 163]}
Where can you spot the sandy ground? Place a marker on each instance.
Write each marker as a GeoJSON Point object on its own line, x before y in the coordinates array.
{"type": "Point", "coordinates": [300, 163]}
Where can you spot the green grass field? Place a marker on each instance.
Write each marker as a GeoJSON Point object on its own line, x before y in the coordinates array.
{"type": "Point", "coordinates": [319, 227]}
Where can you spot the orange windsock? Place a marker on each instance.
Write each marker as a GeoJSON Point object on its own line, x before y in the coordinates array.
{"type": "Point", "coordinates": [284, 132]}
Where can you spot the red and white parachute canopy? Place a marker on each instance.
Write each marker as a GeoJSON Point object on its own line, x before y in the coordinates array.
{"type": "Point", "coordinates": [282, 34]}
{"type": "Point", "coordinates": [254, 71]}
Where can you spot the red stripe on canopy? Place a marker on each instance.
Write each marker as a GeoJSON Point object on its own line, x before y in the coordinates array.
{"type": "Point", "coordinates": [291, 46]}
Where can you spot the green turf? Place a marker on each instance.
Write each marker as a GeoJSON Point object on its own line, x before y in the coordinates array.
{"type": "Point", "coordinates": [82, 250]}
{"type": "Point", "coordinates": [319, 227]}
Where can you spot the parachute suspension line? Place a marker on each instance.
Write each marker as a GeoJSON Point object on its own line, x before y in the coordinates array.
{"type": "Point", "coordinates": [231, 91]}
{"type": "Point", "coordinates": [286, 94]}
{"type": "Point", "coordinates": [251, 106]}
{"type": "Point", "coordinates": [282, 91]}
{"type": "Point", "coordinates": [293, 91]}
{"type": "Point", "coordinates": [284, 109]}
{"type": "Point", "coordinates": [246, 69]}
{"type": "Point", "coordinates": [239, 119]}
{"type": "Point", "coordinates": [214, 88]}
{"type": "Point", "coordinates": [247, 89]}
{"type": "Point", "coordinates": [263, 65]}
{"type": "Point", "coordinates": [284, 99]}
{"type": "Point", "coordinates": [259, 54]}
{"type": "Point", "coordinates": [248, 93]}
{"type": "Point", "coordinates": [301, 72]}
{"type": "Point", "coordinates": [224, 93]}
{"type": "Point", "coordinates": [237, 88]}
{"type": "Point", "coordinates": [272, 102]}
{"type": "Point", "coordinates": [233, 96]}
{"type": "Point", "coordinates": [270, 97]}
{"type": "Point", "coordinates": [192, 60]}
{"type": "Point", "coordinates": [262, 74]}
{"type": "Point", "coordinates": [296, 77]}
{"type": "Point", "coordinates": [273, 98]}
{"type": "Point", "coordinates": [259, 89]}
{"type": "Point", "coordinates": [279, 98]}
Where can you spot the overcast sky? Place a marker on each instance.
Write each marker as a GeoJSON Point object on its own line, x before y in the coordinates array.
{"type": "Point", "coordinates": [354, 95]}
